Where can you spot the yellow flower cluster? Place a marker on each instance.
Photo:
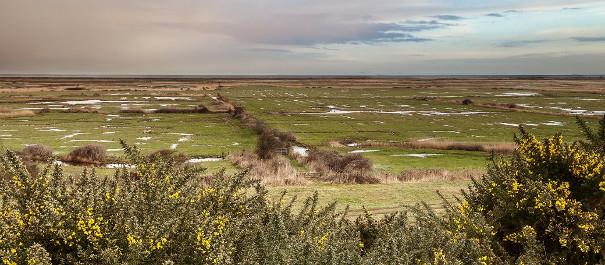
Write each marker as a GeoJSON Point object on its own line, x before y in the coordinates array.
{"type": "Point", "coordinates": [205, 239]}
{"type": "Point", "coordinates": [582, 163]}
{"type": "Point", "coordinates": [321, 240]}
{"type": "Point", "coordinates": [438, 257]}
{"type": "Point", "coordinates": [520, 236]}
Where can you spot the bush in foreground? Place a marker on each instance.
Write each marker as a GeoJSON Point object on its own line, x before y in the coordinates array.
{"type": "Point", "coordinates": [160, 213]}
{"type": "Point", "coordinates": [544, 205]}
{"type": "Point", "coordinates": [547, 201]}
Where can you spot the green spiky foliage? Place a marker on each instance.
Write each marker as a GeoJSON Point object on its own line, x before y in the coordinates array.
{"type": "Point", "coordinates": [595, 139]}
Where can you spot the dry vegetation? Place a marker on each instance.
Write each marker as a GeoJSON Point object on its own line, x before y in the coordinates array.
{"type": "Point", "coordinates": [333, 167]}
{"type": "Point", "coordinates": [330, 166]}
{"type": "Point", "coordinates": [36, 152]}
{"type": "Point", "coordinates": [88, 154]}
{"type": "Point", "coordinates": [14, 113]}
{"type": "Point", "coordinates": [82, 110]}
{"type": "Point", "coordinates": [276, 170]}
{"type": "Point", "coordinates": [500, 148]}
{"type": "Point", "coordinates": [166, 155]}
{"type": "Point", "coordinates": [429, 174]}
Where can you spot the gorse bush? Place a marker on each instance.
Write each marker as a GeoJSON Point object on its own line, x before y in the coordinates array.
{"type": "Point", "coordinates": [543, 205]}
{"type": "Point", "coordinates": [547, 201]}
{"type": "Point", "coordinates": [160, 213]}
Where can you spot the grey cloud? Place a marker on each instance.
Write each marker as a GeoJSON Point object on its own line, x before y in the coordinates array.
{"type": "Point", "coordinates": [494, 15]}
{"type": "Point", "coordinates": [589, 39]}
{"type": "Point", "coordinates": [272, 50]}
{"type": "Point", "coordinates": [448, 17]}
{"type": "Point", "coordinates": [517, 43]}
{"type": "Point", "coordinates": [309, 31]}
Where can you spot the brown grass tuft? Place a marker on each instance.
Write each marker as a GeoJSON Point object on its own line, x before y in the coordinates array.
{"type": "Point", "coordinates": [430, 174]}
{"type": "Point", "coordinates": [14, 113]}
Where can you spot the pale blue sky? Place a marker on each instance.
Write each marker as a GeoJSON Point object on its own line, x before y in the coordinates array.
{"type": "Point", "coordinates": [302, 37]}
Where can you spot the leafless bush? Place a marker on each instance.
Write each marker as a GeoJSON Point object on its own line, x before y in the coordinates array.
{"type": "Point", "coordinates": [270, 141]}
{"type": "Point", "coordinates": [88, 154]}
{"type": "Point", "coordinates": [350, 168]}
{"type": "Point", "coordinates": [274, 171]}
{"type": "Point", "coordinates": [36, 152]}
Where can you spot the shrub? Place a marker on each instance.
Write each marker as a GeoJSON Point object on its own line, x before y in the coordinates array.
{"type": "Point", "coordinates": [270, 141]}
{"type": "Point", "coordinates": [547, 200]}
{"type": "Point", "coordinates": [350, 168]}
{"type": "Point", "coordinates": [88, 154]}
{"type": "Point", "coordinates": [276, 170]}
{"type": "Point", "coordinates": [166, 154]}
{"type": "Point", "coordinates": [157, 213]}
{"type": "Point", "coordinates": [595, 140]}
{"type": "Point", "coordinates": [467, 101]}
{"type": "Point", "coordinates": [36, 152]}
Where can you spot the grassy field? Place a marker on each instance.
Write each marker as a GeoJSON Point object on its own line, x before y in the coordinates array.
{"type": "Point", "coordinates": [376, 198]}
{"type": "Point", "coordinates": [385, 120]}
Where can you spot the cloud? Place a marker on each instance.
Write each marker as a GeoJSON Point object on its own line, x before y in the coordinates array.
{"type": "Point", "coordinates": [317, 30]}
{"type": "Point", "coordinates": [270, 36]}
{"type": "Point", "coordinates": [448, 17]}
{"type": "Point", "coordinates": [271, 50]}
{"type": "Point", "coordinates": [517, 43]}
{"type": "Point", "coordinates": [494, 15]}
{"type": "Point", "coordinates": [589, 39]}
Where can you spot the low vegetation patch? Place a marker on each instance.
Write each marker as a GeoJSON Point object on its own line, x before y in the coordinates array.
{"type": "Point", "coordinates": [333, 167]}
{"type": "Point", "coordinates": [82, 110]}
{"type": "Point", "coordinates": [36, 152]}
{"type": "Point", "coordinates": [500, 148]}
{"type": "Point", "coordinates": [430, 174]}
{"type": "Point", "coordinates": [166, 154]}
{"type": "Point", "coordinates": [276, 170]}
{"type": "Point", "coordinates": [14, 113]}
{"type": "Point", "coordinates": [88, 154]}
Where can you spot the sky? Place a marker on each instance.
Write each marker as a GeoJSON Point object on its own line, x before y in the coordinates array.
{"type": "Point", "coordinates": [302, 37]}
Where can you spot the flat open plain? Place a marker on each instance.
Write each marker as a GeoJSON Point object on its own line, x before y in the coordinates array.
{"type": "Point", "coordinates": [448, 126]}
